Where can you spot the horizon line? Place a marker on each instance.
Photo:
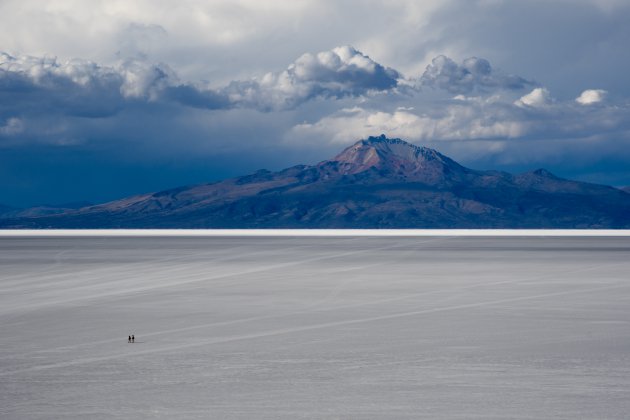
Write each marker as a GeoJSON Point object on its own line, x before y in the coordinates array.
{"type": "Point", "coordinates": [7, 233]}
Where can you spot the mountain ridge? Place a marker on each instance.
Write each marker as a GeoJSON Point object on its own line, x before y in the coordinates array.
{"type": "Point", "coordinates": [377, 182]}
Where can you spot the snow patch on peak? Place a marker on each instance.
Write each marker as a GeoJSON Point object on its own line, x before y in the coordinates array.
{"type": "Point", "coordinates": [395, 147]}
{"type": "Point", "coordinates": [393, 155]}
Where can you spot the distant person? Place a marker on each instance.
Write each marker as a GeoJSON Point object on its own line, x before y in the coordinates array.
{"type": "Point", "coordinates": [129, 339]}
{"type": "Point", "coordinates": [133, 338]}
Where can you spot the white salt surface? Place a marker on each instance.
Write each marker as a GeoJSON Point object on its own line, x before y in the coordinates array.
{"type": "Point", "coordinates": [315, 327]}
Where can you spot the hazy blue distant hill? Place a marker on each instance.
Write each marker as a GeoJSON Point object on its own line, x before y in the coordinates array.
{"type": "Point", "coordinates": [6, 210]}
{"type": "Point", "coordinates": [43, 210]}
{"type": "Point", "coordinates": [375, 183]}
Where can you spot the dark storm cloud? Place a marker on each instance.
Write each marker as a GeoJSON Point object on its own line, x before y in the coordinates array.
{"type": "Point", "coordinates": [77, 87]}
{"type": "Point", "coordinates": [473, 74]}
{"type": "Point", "coordinates": [28, 84]}
{"type": "Point", "coordinates": [84, 88]}
{"type": "Point", "coordinates": [195, 97]}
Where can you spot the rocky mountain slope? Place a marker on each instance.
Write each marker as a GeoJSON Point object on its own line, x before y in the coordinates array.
{"type": "Point", "coordinates": [375, 183]}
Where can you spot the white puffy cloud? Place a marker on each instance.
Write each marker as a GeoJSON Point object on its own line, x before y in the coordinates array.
{"type": "Point", "coordinates": [591, 96]}
{"type": "Point", "coordinates": [142, 80]}
{"type": "Point", "coordinates": [133, 78]}
{"type": "Point", "coordinates": [539, 97]}
{"type": "Point", "coordinates": [340, 72]}
{"type": "Point", "coordinates": [350, 124]}
{"type": "Point", "coordinates": [473, 74]}
{"type": "Point", "coordinates": [454, 122]}
{"type": "Point", "coordinates": [46, 71]}
{"type": "Point", "coordinates": [491, 120]}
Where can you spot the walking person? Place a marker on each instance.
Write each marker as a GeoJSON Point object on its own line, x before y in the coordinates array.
{"type": "Point", "coordinates": [129, 339]}
{"type": "Point", "coordinates": [133, 338]}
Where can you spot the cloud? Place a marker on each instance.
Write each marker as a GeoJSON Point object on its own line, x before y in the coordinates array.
{"type": "Point", "coordinates": [195, 97]}
{"type": "Point", "coordinates": [144, 80]}
{"type": "Point", "coordinates": [339, 85]}
{"type": "Point", "coordinates": [350, 124]}
{"type": "Point", "coordinates": [131, 79]}
{"type": "Point", "coordinates": [454, 122]}
{"type": "Point", "coordinates": [538, 97]}
{"type": "Point", "coordinates": [140, 39]}
{"type": "Point", "coordinates": [533, 117]}
{"type": "Point", "coordinates": [340, 72]}
{"type": "Point", "coordinates": [222, 40]}
{"type": "Point", "coordinates": [82, 87]}
{"type": "Point", "coordinates": [12, 127]}
{"type": "Point", "coordinates": [45, 85]}
{"type": "Point", "coordinates": [472, 75]}
{"type": "Point", "coordinates": [78, 87]}
{"type": "Point", "coordinates": [591, 96]}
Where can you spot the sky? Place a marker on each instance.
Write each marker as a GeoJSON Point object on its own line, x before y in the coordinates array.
{"type": "Point", "coordinates": [102, 99]}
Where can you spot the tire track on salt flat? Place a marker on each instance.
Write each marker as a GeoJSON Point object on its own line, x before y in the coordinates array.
{"type": "Point", "coordinates": [312, 309]}
{"type": "Point", "coordinates": [300, 329]}
{"type": "Point", "coordinates": [200, 276]}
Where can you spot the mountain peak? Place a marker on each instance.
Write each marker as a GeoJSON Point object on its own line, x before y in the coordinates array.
{"type": "Point", "coordinates": [382, 147]}
{"type": "Point", "coordinates": [393, 155]}
{"type": "Point", "coordinates": [384, 142]}
{"type": "Point", "coordinates": [542, 172]}
{"type": "Point", "coordinates": [383, 139]}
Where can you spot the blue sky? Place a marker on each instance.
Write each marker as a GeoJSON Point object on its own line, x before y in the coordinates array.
{"type": "Point", "coordinates": [103, 99]}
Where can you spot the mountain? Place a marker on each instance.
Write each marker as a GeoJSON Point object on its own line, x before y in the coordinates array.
{"type": "Point", "coordinates": [43, 210]}
{"type": "Point", "coordinates": [375, 183]}
{"type": "Point", "coordinates": [6, 210]}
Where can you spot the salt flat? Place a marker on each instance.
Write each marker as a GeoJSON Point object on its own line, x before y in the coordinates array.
{"type": "Point", "coordinates": [315, 327]}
